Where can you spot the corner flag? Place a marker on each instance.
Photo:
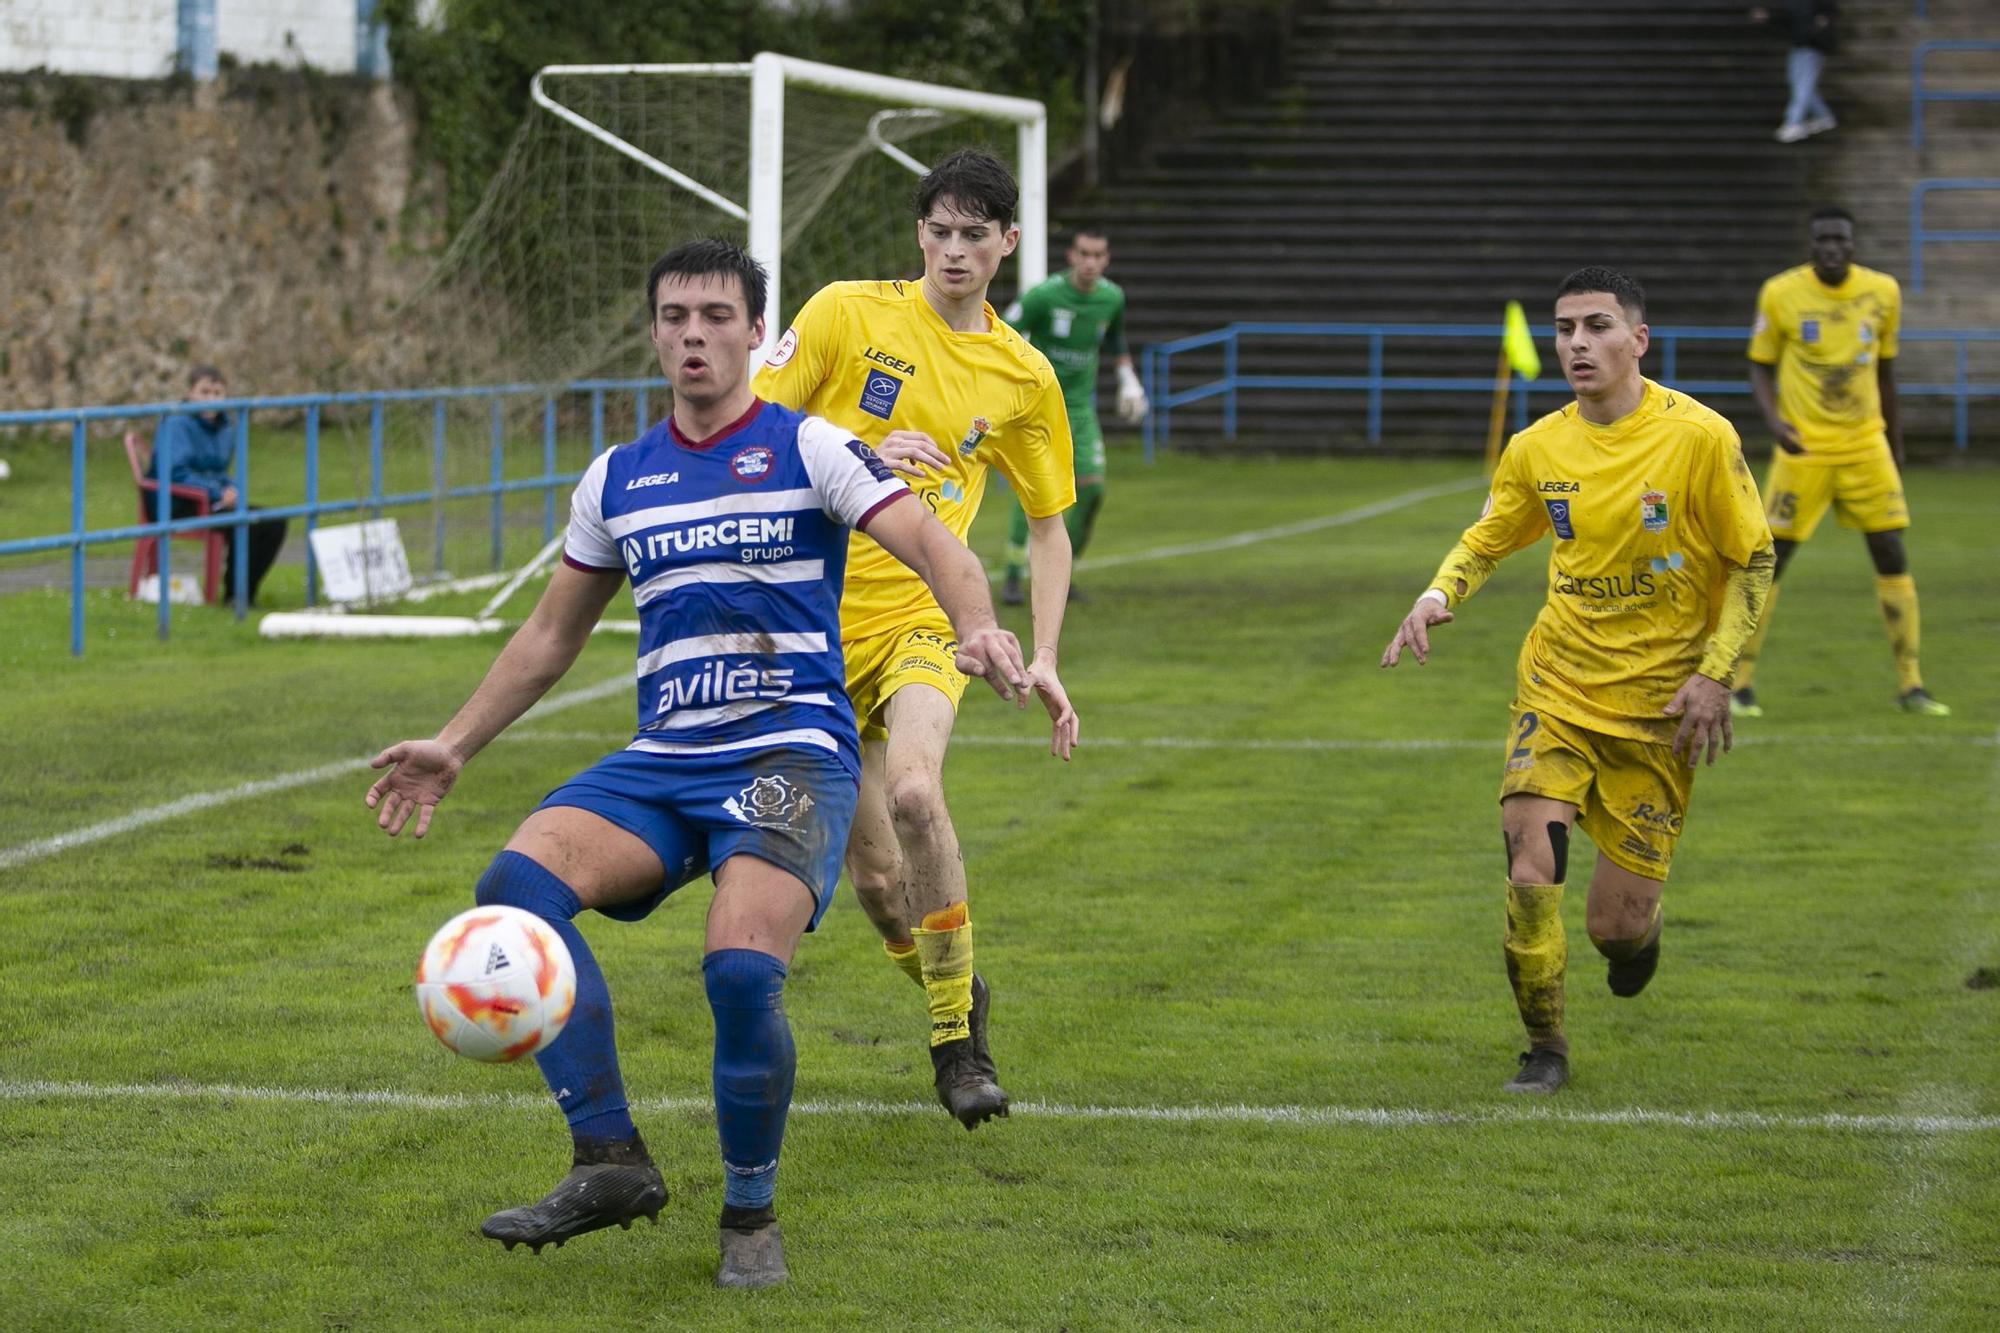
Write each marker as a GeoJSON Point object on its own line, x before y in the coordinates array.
{"type": "Point", "coordinates": [1517, 357]}
{"type": "Point", "coordinates": [1519, 344]}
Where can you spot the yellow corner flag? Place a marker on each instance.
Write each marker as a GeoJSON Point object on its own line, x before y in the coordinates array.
{"type": "Point", "coordinates": [1519, 344]}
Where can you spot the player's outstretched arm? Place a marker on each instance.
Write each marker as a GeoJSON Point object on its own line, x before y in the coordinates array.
{"type": "Point", "coordinates": [954, 575]}
{"type": "Point", "coordinates": [421, 772]}
{"type": "Point", "coordinates": [1764, 388]}
{"type": "Point", "coordinates": [1048, 572]}
{"type": "Point", "coordinates": [1702, 705]}
{"type": "Point", "coordinates": [1132, 404]}
{"type": "Point", "coordinates": [1414, 632]}
{"type": "Point", "coordinates": [912, 453]}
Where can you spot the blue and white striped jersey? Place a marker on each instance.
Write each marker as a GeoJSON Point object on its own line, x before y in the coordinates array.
{"type": "Point", "coordinates": [736, 548]}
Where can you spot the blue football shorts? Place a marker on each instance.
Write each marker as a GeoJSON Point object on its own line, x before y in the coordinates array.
{"type": "Point", "coordinates": [788, 806]}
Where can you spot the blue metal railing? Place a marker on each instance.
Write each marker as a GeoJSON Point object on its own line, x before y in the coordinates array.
{"type": "Point", "coordinates": [313, 508]}
{"type": "Point", "coordinates": [1921, 94]}
{"type": "Point", "coordinates": [1157, 362]}
{"type": "Point", "coordinates": [1921, 191]}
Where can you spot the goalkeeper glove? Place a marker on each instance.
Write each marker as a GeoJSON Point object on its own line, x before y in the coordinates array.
{"type": "Point", "coordinates": [1131, 397]}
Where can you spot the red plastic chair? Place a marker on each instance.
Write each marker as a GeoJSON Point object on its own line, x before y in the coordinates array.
{"type": "Point", "coordinates": [146, 553]}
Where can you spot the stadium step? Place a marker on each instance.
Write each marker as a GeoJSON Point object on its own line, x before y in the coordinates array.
{"type": "Point", "coordinates": [1423, 161]}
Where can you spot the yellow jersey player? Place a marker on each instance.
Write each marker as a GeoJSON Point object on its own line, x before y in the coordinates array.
{"type": "Point", "coordinates": [1823, 367]}
{"type": "Point", "coordinates": [1659, 569]}
{"type": "Point", "coordinates": [929, 375]}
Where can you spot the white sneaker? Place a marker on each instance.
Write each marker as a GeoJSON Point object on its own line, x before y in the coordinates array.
{"type": "Point", "coordinates": [1819, 125]}
{"type": "Point", "coordinates": [1790, 133]}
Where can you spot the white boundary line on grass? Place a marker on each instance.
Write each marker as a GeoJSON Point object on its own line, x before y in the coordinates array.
{"type": "Point", "coordinates": [186, 805]}
{"type": "Point", "coordinates": [1210, 545]}
{"type": "Point", "coordinates": [1370, 1117]}
{"type": "Point", "coordinates": [207, 800]}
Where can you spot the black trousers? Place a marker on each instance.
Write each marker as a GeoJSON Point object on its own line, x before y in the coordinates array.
{"type": "Point", "coordinates": [267, 537]}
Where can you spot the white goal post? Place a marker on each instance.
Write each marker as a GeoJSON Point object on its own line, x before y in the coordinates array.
{"type": "Point", "coordinates": [763, 211]}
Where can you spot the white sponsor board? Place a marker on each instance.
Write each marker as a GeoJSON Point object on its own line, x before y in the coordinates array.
{"type": "Point", "coordinates": [361, 562]}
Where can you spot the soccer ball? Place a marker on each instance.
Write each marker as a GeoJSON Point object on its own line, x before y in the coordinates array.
{"type": "Point", "coordinates": [496, 983]}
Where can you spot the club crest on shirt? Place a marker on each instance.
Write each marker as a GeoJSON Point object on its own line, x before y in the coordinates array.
{"type": "Point", "coordinates": [752, 464]}
{"type": "Point", "coordinates": [770, 802]}
{"type": "Point", "coordinates": [878, 394]}
{"type": "Point", "coordinates": [1559, 519]}
{"type": "Point", "coordinates": [1060, 321]}
{"type": "Point", "coordinates": [1653, 511]}
{"type": "Point", "coordinates": [973, 435]}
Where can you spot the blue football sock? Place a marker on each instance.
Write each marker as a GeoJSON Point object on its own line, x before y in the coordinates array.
{"type": "Point", "coordinates": [754, 1063]}
{"type": "Point", "coordinates": [580, 1066]}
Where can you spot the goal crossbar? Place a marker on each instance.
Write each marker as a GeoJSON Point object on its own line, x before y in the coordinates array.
{"type": "Point", "coordinates": [762, 212]}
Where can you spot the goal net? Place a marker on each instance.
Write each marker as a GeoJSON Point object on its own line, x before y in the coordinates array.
{"type": "Point", "coordinates": [810, 166]}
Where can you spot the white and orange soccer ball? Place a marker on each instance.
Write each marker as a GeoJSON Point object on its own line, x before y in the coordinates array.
{"type": "Point", "coordinates": [496, 983]}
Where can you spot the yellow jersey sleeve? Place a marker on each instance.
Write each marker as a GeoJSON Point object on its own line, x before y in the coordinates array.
{"type": "Point", "coordinates": [1509, 521]}
{"type": "Point", "coordinates": [1892, 320]}
{"type": "Point", "coordinates": [805, 357]}
{"type": "Point", "coordinates": [1728, 509]}
{"type": "Point", "coordinates": [1036, 457]}
{"type": "Point", "coordinates": [1767, 337]}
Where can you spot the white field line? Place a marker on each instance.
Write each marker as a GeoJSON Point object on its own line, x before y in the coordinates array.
{"type": "Point", "coordinates": [208, 800]}
{"type": "Point", "coordinates": [1311, 743]}
{"type": "Point", "coordinates": [1213, 544]}
{"type": "Point", "coordinates": [1370, 1117]}
{"type": "Point", "coordinates": [111, 828]}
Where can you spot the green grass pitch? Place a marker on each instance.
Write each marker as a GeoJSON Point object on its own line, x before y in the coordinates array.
{"type": "Point", "coordinates": [1245, 956]}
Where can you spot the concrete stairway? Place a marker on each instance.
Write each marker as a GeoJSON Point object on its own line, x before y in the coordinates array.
{"type": "Point", "coordinates": [1427, 160]}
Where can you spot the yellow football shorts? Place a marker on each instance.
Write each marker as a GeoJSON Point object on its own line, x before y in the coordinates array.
{"type": "Point", "coordinates": [1631, 796]}
{"type": "Point", "coordinates": [1866, 495]}
{"type": "Point", "coordinates": [919, 653]}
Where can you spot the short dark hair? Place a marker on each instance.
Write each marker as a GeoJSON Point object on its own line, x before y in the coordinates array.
{"type": "Point", "coordinates": [974, 180]}
{"type": "Point", "coordinates": [1830, 213]}
{"type": "Point", "coordinates": [1631, 296]}
{"type": "Point", "coordinates": [200, 373]}
{"type": "Point", "coordinates": [1081, 232]}
{"type": "Point", "coordinates": [699, 259]}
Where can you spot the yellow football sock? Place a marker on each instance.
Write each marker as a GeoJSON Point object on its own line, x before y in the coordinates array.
{"type": "Point", "coordinates": [944, 944]}
{"type": "Point", "coordinates": [1537, 954]}
{"type": "Point", "coordinates": [1746, 665]}
{"type": "Point", "coordinates": [1897, 596]}
{"type": "Point", "coordinates": [903, 953]}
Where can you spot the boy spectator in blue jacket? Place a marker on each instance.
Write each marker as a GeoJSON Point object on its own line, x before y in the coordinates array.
{"type": "Point", "coordinates": [202, 454]}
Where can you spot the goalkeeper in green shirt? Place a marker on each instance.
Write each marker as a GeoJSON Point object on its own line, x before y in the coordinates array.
{"type": "Point", "coordinates": [1070, 318]}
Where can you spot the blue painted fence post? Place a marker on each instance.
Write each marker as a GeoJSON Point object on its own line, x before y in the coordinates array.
{"type": "Point", "coordinates": [499, 476]}
{"type": "Point", "coordinates": [239, 539]}
{"type": "Point", "coordinates": [77, 440]}
{"type": "Point", "coordinates": [1375, 386]}
{"type": "Point", "coordinates": [312, 501]}
{"type": "Point", "coordinates": [549, 464]}
{"type": "Point", "coordinates": [163, 509]}
{"type": "Point", "coordinates": [1229, 394]}
{"type": "Point", "coordinates": [437, 486]}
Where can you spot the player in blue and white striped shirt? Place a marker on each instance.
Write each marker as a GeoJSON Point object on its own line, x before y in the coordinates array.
{"type": "Point", "coordinates": [731, 520]}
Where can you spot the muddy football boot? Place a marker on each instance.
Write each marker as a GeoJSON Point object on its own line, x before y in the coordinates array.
{"type": "Point", "coordinates": [1920, 701]}
{"type": "Point", "coordinates": [982, 997]}
{"type": "Point", "coordinates": [964, 1088]}
{"type": "Point", "coordinates": [1542, 1072]}
{"type": "Point", "coordinates": [753, 1253]}
{"type": "Point", "coordinates": [605, 1187]}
